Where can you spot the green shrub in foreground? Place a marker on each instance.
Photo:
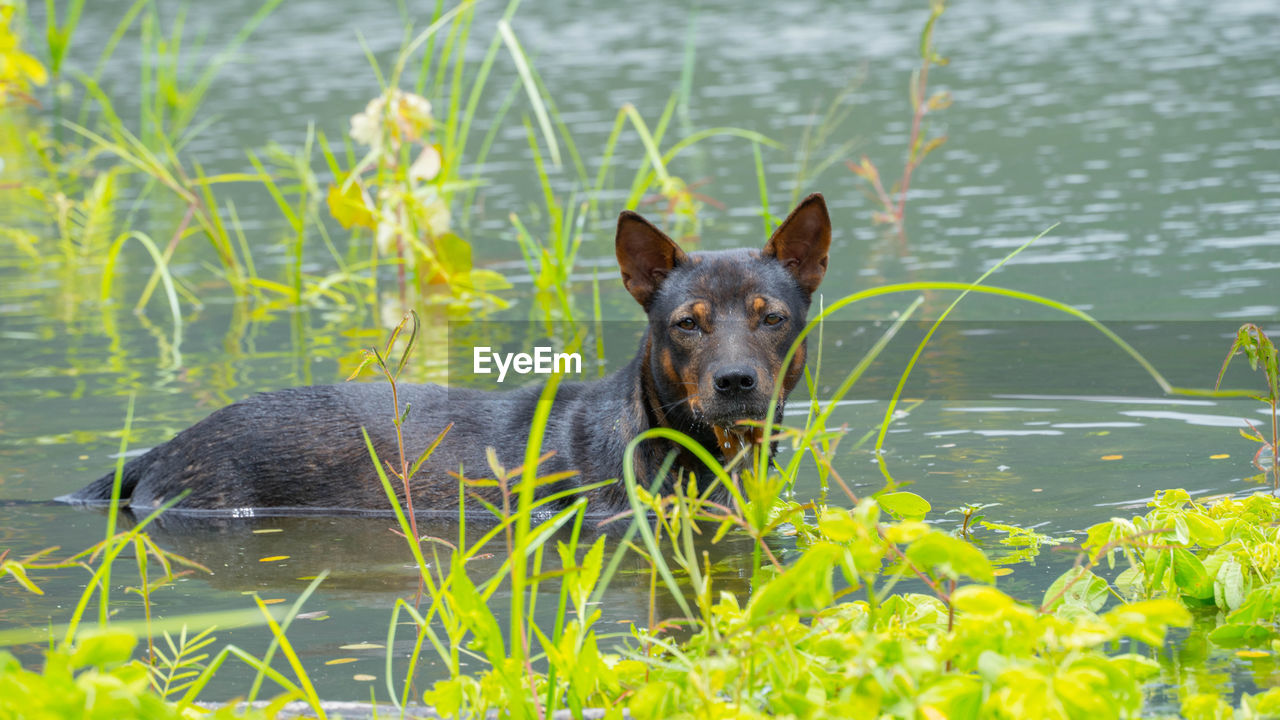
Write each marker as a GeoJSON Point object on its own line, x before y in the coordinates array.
{"type": "Point", "coordinates": [799, 648]}
{"type": "Point", "coordinates": [95, 679]}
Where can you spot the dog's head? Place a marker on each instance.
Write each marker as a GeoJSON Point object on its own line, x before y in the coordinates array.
{"type": "Point", "coordinates": [720, 323]}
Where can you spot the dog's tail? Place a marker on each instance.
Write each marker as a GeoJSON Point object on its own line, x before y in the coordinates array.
{"type": "Point", "coordinates": [98, 492]}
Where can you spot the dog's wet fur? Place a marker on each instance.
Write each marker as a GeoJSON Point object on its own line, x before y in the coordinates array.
{"type": "Point", "coordinates": [720, 325]}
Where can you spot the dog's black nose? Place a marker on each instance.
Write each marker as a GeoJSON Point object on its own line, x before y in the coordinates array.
{"type": "Point", "coordinates": [735, 379]}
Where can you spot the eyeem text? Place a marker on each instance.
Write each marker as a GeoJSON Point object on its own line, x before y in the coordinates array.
{"type": "Point", "coordinates": [543, 361]}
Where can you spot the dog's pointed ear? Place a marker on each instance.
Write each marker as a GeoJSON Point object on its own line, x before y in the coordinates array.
{"type": "Point", "coordinates": [645, 256]}
{"type": "Point", "coordinates": [802, 241]}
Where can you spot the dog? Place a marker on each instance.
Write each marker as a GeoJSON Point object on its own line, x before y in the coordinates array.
{"type": "Point", "coordinates": [719, 326]}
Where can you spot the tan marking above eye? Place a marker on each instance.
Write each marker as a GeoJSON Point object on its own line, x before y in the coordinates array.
{"type": "Point", "coordinates": [693, 315]}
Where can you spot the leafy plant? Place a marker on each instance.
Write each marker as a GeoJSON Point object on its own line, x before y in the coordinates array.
{"type": "Point", "coordinates": [405, 472]}
{"type": "Point", "coordinates": [176, 667]}
{"type": "Point", "coordinates": [18, 70]}
{"type": "Point", "coordinates": [93, 677]}
{"type": "Point", "coordinates": [405, 203]}
{"type": "Point", "coordinates": [970, 514]}
{"type": "Point", "coordinates": [17, 569]}
{"type": "Point", "coordinates": [1255, 345]}
{"type": "Point", "coordinates": [1218, 553]}
{"type": "Point", "coordinates": [959, 651]}
{"type": "Point", "coordinates": [893, 211]}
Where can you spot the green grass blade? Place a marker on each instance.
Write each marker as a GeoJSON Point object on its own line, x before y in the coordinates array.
{"type": "Point", "coordinates": [531, 89]}
{"type": "Point", "coordinates": [108, 277]}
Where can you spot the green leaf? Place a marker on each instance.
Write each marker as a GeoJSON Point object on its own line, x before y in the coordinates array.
{"type": "Point", "coordinates": [1204, 531]}
{"type": "Point", "coordinates": [1159, 567]}
{"type": "Point", "coordinates": [1077, 587]}
{"type": "Point", "coordinates": [453, 253]}
{"type": "Point", "coordinates": [837, 524]}
{"type": "Point", "coordinates": [1099, 536]}
{"type": "Point", "coordinates": [805, 586]}
{"type": "Point", "coordinates": [992, 664]}
{"type": "Point", "coordinates": [1130, 582]}
{"type": "Point", "coordinates": [904, 505]}
{"type": "Point", "coordinates": [1206, 706]}
{"type": "Point", "coordinates": [1190, 576]}
{"type": "Point", "coordinates": [1266, 704]}
{"type": "Point", "coordinates": [8, 663]}
{"type": "Point", "coordinates": [981, 600]}
{"type": "Point", "coordinates": [477, 617]}
{"type": "Point", "coordinates": [1138, 667]}
{"type": "Point", "coordinates": [1147, 620]}
{"type": "Point", "coordinates": [1172, 498]}
{"type": "Point", "coordinates": [347, 206]}
{"type": "Point", "coordinates": [926, 34]}
{"type": "Point", "coordinates": [1229, 585]}
{"type": "Point", "coordinates": [486, 281]}
{"type": "Point", "coordinates": [1181, 533]}
{"type": "Point", "coordinates": [581, 580]}
{"type": "Point", "coordinates": [1233, 635]}
{"type": "Point", "coordinates": [938, 553]}
{"type": "Point", "coordinates": [446, 696]}
{"type": "Point", "coordinates": [1249, 435]}
{"type": "Point", "coordinates": [19, 573]}
{"type": "Point", "coordinates": [103, 648]}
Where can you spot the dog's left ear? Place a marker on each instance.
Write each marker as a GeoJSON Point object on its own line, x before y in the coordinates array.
{"type": "Point", "coordinates": [645, 256]}
{"type": "Point", "coordinates": [802, 241]}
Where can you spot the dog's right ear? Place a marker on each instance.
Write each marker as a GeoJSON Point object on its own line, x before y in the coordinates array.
{"type": "Point", "coordinates": [645, 256]}
{"type": "Point", "coordinates": [802, 242]}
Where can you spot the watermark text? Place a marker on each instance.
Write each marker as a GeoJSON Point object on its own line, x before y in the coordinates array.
{"type": "Point", "coordinates": [543, 361]}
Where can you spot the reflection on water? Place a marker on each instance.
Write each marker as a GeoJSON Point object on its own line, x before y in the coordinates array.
{"type": "Point", "coordinates": [1147, 131]}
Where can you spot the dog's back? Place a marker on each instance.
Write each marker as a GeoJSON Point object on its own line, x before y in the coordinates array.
{"type": "Point", "coordinates": [302, 448]}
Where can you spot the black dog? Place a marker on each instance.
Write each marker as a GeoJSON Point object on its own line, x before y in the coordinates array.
{"type": "Point", "coordinates": [720, 324]}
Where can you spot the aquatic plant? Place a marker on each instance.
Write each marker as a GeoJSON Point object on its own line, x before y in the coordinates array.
{"type": "Point", "coordinates": [405, 205]}
{"type": "Point", "coordinates": [1261, 352]}
{"type": "Point", "coordinates": [893, 211]}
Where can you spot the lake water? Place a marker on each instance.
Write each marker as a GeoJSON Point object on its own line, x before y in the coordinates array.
{"type": "Point", "coordinates": [1148, 133]}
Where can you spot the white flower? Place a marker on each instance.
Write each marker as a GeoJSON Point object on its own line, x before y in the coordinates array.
{"type": "Point", "coordinates": [366, 127]}
{"type": "Point", "coordinates": [412, 107]}
{"type": "Point", "coordinates": [427, 166]}
{"type": "Point", "coordinates": [409, 116]}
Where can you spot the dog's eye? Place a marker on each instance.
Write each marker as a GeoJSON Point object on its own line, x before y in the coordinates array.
{"type": "Point", "coordinates": [687, 323]}
{"type": "Point", "coordinates": [772, 319]}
